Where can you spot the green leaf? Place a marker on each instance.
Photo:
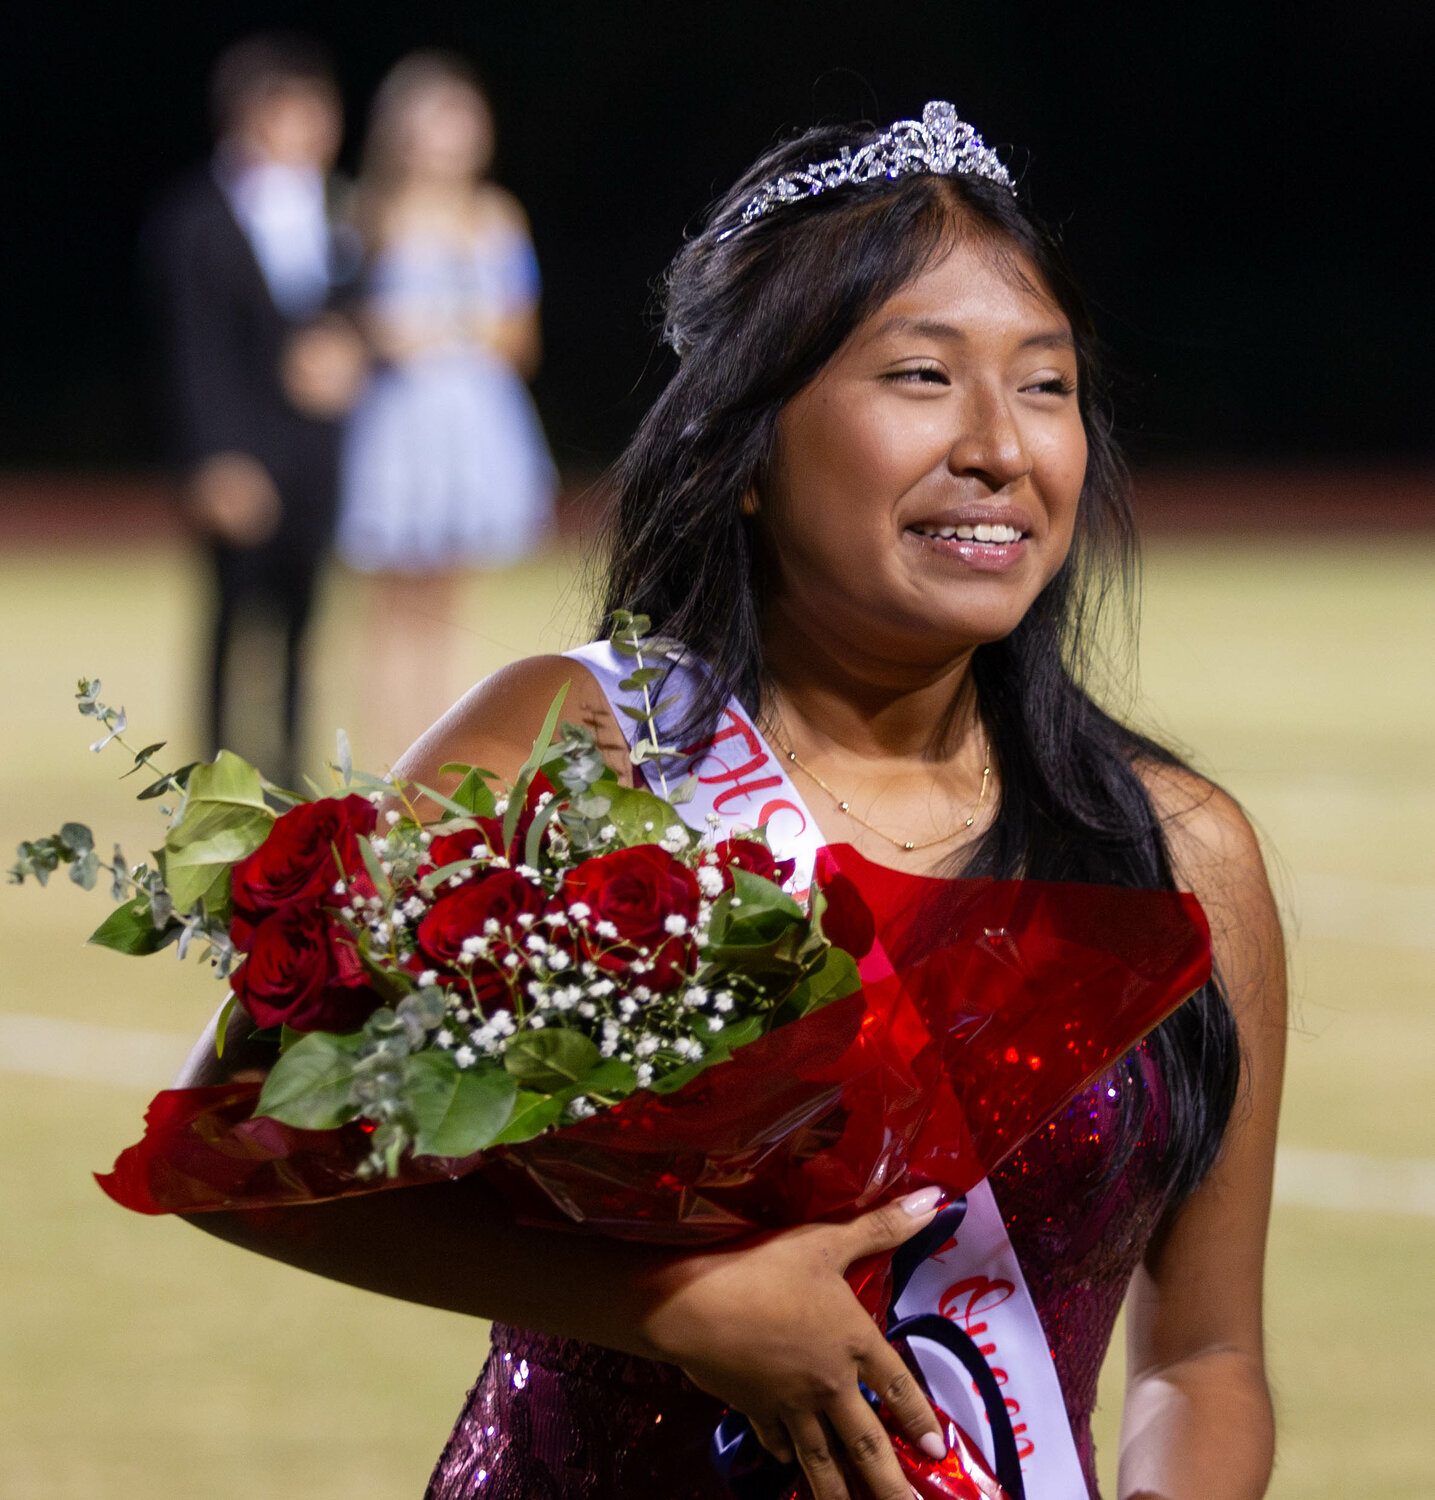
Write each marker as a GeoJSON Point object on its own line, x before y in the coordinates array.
{"type": "Point", "coordinates": [552, 1058]}
{"type": "Point", "coordinates": [534, 842]}
{"type": "Point", "coordinates": [309, 1085]}
{"type": "Point", "coordinates": [382, 884]}
{"type": "Point", "coordinates": [130, 929]}
{"type": "Point", "coordinates": [174, 782]}
{"type": "Point", "coordinates": [473, 793]}
{"type": "Point", "coordinates": [221, 1023]}
{"type": "Point", "coordinates": [639, 816]}
{"type": "Point", "coordinates": [532, 1114]}
{"type": "Point", "coordinates": [638, 679]}
{"type": "Point", "coordinates": [435, 878]}
{"type": "Point", "coordinates": [457, 1111]}
{"type": "Point", "coordinates": [519, 794]}
{"type": "Point", "coordinates": [77, 839]}
{"type": "Point", "coordinates": [762, 923]}
{"type": "Point", "coordinates": [720, 1048]}
{"type": "Point", "coordinates": [611, 1079]}
{"type": "Point", "coordinates": [447, 803]}
{"type": "Point", "coordinates": [835, 977]}
{"type": "Point", "coordinates": [225, 818]}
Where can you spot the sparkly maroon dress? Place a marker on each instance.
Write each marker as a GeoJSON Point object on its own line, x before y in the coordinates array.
{"type": "Point", "coordinates": [554, 1419]}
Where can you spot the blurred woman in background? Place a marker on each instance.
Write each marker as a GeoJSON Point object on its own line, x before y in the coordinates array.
{"type": "Point", "coordinates": [445, 463]}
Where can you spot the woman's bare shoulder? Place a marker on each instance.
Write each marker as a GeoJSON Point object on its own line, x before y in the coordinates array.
{"type": "Point", "coordinates": [495, 723]}
{"type": "Point", "coordinates": [1209, 835]}
{"type": "Point", "coordinates": [1216, 854]}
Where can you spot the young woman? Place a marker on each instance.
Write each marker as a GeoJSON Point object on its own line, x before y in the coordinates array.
{"type": "Point", "coordinates": [445, 465]}
{"type": "Point", "coordinates": [880, 500]}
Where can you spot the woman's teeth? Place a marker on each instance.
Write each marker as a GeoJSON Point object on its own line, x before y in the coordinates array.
{"type": "Point", "coordinates": [982, 533]}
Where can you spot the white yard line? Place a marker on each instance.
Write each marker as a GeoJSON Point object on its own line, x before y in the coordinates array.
{"type": "Point", "coordinates": [78, 1052]}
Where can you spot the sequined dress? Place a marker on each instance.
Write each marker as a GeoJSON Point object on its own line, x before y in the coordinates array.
{"type": "Point", "coordinates": [555, 1419]}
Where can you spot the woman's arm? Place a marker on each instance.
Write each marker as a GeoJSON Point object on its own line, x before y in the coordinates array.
{"type": "Point", "coordinates": [1198, 1423]}
{"type": "Point", "coordinates": [769, 1326]}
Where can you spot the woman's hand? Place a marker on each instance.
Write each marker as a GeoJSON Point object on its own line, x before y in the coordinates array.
{"type": "Point", "coordinates": [773, 1330]}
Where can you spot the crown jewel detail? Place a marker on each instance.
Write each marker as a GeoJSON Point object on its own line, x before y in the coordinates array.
{"type": "Point", "coordinates": [940, 142]}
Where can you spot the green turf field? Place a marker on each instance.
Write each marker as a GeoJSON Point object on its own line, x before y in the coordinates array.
{"type": "Point", "coordinates": [143, 1361]}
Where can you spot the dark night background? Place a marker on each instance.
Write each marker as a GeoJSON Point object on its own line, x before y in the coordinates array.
{"type": "Point", "coordinates": [1238, 185]}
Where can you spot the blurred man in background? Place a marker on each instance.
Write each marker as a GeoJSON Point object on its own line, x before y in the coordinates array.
{"type": "Point", "coordinates": [246, 263]}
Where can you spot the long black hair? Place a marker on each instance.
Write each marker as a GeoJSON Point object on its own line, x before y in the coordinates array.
{"type": "Point", "coordinates": [754, 311]}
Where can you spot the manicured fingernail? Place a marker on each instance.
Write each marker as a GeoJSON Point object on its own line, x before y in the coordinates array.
{"type": "Point", "coordinates": [923, 1201]}
{"type": "Point", "coordinates": [932, 1445]}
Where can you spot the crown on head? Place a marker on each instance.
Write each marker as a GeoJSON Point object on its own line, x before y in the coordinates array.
{"type": "Point", "coordinates": [940, 142]}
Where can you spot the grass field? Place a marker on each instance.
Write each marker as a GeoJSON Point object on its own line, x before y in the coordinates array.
{"type": "Point", "coordinates": [144, 1361]}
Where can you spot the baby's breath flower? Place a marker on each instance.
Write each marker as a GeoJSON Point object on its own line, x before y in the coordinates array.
{"type": "Point", "coordinates": [605, 929]}
{"type": "Point", "coordinates": [465, 1057]}
{"type": "Point", "coordinates": [558, 959]}
{"type": "Point", "coordinates": [675, 924]}
{"type": "Point", "coordinates": [510, 960]}
{"type": "Point", "coordinates": [391, 817]}
{"type": "Point", "coordinates": [645, 1074]}
{"type": "Point", "coordinates": [709, 880]}
{"type": "Point", "coordinates": [579, 910]}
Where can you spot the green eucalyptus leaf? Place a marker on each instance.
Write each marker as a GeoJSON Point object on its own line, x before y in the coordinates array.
{"type": "Point", "coordinates": [130, 929]}
{"type": "Point", "coordinates": [77, 839]}
{"type": "Point", "coordinates": [456, 1111]}
{"type": "Point", "coordinates": [309, 1085]}
{"type": "Point", "coordinates": [551, 1059]}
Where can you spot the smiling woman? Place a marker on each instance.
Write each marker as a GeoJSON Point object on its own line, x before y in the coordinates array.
{"type": "Point", "coordinates": [879, 505]}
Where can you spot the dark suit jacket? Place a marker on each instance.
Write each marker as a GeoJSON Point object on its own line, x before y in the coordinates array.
{"type": "Point", "coordinates": [222, 340]}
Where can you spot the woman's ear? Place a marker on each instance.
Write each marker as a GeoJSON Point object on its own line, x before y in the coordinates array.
{"type": "Point", "coordinates": [748, 506]}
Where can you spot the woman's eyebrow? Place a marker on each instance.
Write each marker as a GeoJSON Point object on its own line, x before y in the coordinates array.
{"type": "Point", "coordinates": [1053, 338]}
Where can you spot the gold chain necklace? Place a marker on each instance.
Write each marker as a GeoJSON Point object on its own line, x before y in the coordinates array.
{"type": "Point", "coordinates": [905, 844]}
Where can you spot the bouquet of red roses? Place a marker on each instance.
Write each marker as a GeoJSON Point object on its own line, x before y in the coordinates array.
{"type": "Point", "coordinates": [541, 984]}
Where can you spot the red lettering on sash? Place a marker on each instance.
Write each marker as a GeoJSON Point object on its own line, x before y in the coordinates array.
{"type": "Point", "coordinates": [963, 1303]}
{"type": "Point", "coordinates": [777, 805]}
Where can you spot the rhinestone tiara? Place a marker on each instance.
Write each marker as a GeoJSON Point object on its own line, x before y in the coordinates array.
{"type": "Point", "coordinates": [940, 142]}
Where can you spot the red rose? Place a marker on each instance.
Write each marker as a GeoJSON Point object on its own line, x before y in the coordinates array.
{"type": "Point", "coordinates": [447, 848]}
{"type": "Point", "coordinates": [500, 896]}
{"type": "Point", "coordinates": [304, 971]}
{"type": "Point", "coordinates": [640, 891]}
{"type": "Point", "coordinates": [847, 921]}
{"type": "Point", "coordinates": [752, 855]}
{"type": "Point", "coordinates": [295, 864]}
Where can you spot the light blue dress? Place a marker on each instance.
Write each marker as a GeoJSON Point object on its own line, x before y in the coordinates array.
{"type": "Point", "coordinates": [445, 464]}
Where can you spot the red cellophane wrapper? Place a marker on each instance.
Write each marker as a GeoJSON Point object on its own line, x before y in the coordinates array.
{"type": "Point", "coordinates": [986, 1006]}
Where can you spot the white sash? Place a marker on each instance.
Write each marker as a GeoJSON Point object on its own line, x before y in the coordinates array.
{"type": "Point", "coordinates": [974, 1281]}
